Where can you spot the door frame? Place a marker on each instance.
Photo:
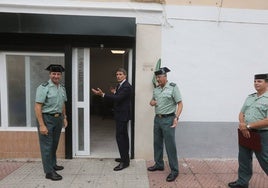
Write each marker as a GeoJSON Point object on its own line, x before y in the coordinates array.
{"type": "Point", "coordinates": [85, 104]}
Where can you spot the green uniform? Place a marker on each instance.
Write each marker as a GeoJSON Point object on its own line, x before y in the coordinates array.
{"type": "Point", "coordinates": [167, 99]}
{"type": "Point", "coordinates": [52, 98]}
{"type": "Point", "coordinates": [254, 109]}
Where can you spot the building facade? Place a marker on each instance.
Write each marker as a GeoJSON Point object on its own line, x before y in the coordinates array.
{"type": "Point", "coordinates": [213, 48]}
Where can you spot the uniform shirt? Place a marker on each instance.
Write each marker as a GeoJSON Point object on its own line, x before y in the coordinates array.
{"type": "Point", "coordinates": [51, 96]}
{"type": "Point", "coordinates": [166, 98]}
{"type": "Point", "coordinates": [255, 108]}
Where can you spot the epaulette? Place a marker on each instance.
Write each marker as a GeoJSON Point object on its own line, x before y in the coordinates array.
{"type": "Point", "coordinates": [45, 84]}
{"type": "Point", "coordinates": [252, 94]}
{"type": "Point", "coordinates": [172, 84]}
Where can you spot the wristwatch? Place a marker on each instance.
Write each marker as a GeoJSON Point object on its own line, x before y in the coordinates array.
{"type": "Point", "coordinates": [248, 126]}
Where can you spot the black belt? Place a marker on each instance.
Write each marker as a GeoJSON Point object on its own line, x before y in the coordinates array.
{"type": "Point", "coordinates": [164, 115]}
{"type": "Point", "coordinates": [54, 115]}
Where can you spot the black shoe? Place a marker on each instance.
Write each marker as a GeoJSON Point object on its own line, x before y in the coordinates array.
{"type": "Point", "coordinates": [118, 160]}
{"type": "Point", "coordinates": [53, 176]}
{"type": "Point", "coordinates": [154, 168]}
{"type": "Point", "coordinates": [236, 185]}
{"type": "Point", "coordinates": [171, 177]}
{"type": "Point", "coordinates": [121, 166]}
{"type": "Point", "coordinates": [56, 167]}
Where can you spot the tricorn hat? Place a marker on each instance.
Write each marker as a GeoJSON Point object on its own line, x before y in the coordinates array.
{"type": "Point", "coordinates": [162, 70]}
{"type": "Point", "coordinates": [261, 76]}
{"type": "Point", "coordinates": [55, 68]}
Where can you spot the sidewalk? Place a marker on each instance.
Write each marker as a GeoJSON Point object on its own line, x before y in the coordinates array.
{"type": "Point", "coordinates": [98, 173]}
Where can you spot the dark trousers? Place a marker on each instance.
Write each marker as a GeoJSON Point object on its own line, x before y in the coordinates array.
{"type": "Point", "coordinates": [245, 160]}
{"type": "Point", "coordinates": [163, 133]}
{"type": "Point", "coordinates": [122, 140]}
{"type": "Point", "coordinates": [49, 143]}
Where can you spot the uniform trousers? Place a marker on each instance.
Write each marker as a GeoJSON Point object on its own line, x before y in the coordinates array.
{"type": "Point", "coordinates": [49, 143]}
{"type": "Point", "coordinates": [122, 140]}
{"type": "Point", "coordinates": [245, 160]}
{"type": "Point", "coordinates": [163, 133]}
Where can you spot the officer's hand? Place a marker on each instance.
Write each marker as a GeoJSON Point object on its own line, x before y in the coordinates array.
{"type": "Point", "coordinates": [153, 102]}
{"type": "Point", "coordinates": [43, 130]}
{"type": "Point", "coordinates": [243, 128]}
{"type": "Point", "coordinates": [175, 123]}
{"type": "Point", "coordinates": [246, 133]}
{"type": "Point", "coordinates": [65, 122]}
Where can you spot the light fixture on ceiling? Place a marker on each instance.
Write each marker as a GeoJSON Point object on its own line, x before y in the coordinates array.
{"type": "Point", "coordinates": [118, 51]}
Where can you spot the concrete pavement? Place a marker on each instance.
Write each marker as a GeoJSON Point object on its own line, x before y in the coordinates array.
{"type": "Point", "coordinates": [98, 173]}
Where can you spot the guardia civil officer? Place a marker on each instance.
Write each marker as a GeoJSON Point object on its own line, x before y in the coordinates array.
{"type": "Point", "coordinates": [168, 107]}
{"type": "Point", "coordinates": [253, 116]}
{"type": "Point", "coordinates": [51, 115]}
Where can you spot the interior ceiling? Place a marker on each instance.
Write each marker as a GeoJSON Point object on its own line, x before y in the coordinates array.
{"type": "Point", "coordinates": [104, 51]}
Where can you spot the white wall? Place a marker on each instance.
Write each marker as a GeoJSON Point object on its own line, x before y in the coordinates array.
{"type": "Point", "coordinates": [213, 55]}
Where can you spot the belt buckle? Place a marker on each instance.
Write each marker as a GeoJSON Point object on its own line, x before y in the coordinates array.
{"type": "Point", "coordinates": [160, 115]}
{"type": "Point", "coordinates": [56, 115]}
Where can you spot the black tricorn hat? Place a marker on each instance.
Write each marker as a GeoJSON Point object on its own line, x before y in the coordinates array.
{"type": "Point", "coordinates": [162, 70]}
{"type": "Point", "coordinates": [261, 76]}
{"type": "Point", "coordinates": [55, 68]}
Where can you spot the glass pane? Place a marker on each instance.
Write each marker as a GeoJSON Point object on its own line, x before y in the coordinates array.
{"type": "Point", "coordinates": [80, 75]}
{"type": "Point", "coordinates": [16, 91]}
{"type": "Point", "coordinates": [81, 129]}
{"type": "Point", "coordinates": [24, 75]}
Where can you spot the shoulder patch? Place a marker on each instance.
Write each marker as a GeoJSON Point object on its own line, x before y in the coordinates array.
{"type": "Point", "coordinates": [172, 84]}
{"type": "Point", "coordinates": [45, 84]}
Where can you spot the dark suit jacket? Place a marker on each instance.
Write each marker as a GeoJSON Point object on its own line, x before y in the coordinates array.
{"type": "Point", "coordinates": [122, 102]}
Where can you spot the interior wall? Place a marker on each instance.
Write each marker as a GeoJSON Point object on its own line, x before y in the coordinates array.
{"type": "Point", "coordinates": [103, 65]}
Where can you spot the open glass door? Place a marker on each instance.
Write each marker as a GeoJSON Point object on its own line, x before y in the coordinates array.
{"type": "Point", "coordinates": [80, 106]}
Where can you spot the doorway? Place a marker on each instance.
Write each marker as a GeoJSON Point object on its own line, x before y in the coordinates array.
{"type": "Point", "coordinates": [93, 124]}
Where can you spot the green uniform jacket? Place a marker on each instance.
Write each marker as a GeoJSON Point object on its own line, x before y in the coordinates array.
{"type": "Point", "coordinates": [51, 96]}
{"type": "Point", "coordinates": [255, 108]}
{"type": "Point", "coordinates": [167, 98]}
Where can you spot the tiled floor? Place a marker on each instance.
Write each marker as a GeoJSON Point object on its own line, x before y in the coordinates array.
{"type": "Point", "coordinates": [194, 173]}
{"type": "Point", "coordinates": [8, 167]}
{"type": "Point", "coordinates": [79, 173]}
{"type": "Point", "coordinates": [209, 173]}
{"type": "Point", "coordinates": [102, 141]}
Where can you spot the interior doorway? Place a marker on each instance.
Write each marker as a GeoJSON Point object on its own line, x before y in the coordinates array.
{"type": "Point", "coordinates": [94, 126]}
{"type": "Point", "coordinates": [103, 64]}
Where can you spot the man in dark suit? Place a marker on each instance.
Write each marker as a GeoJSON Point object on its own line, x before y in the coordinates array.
{"type": "Point", "coordinates": [121, 96]}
